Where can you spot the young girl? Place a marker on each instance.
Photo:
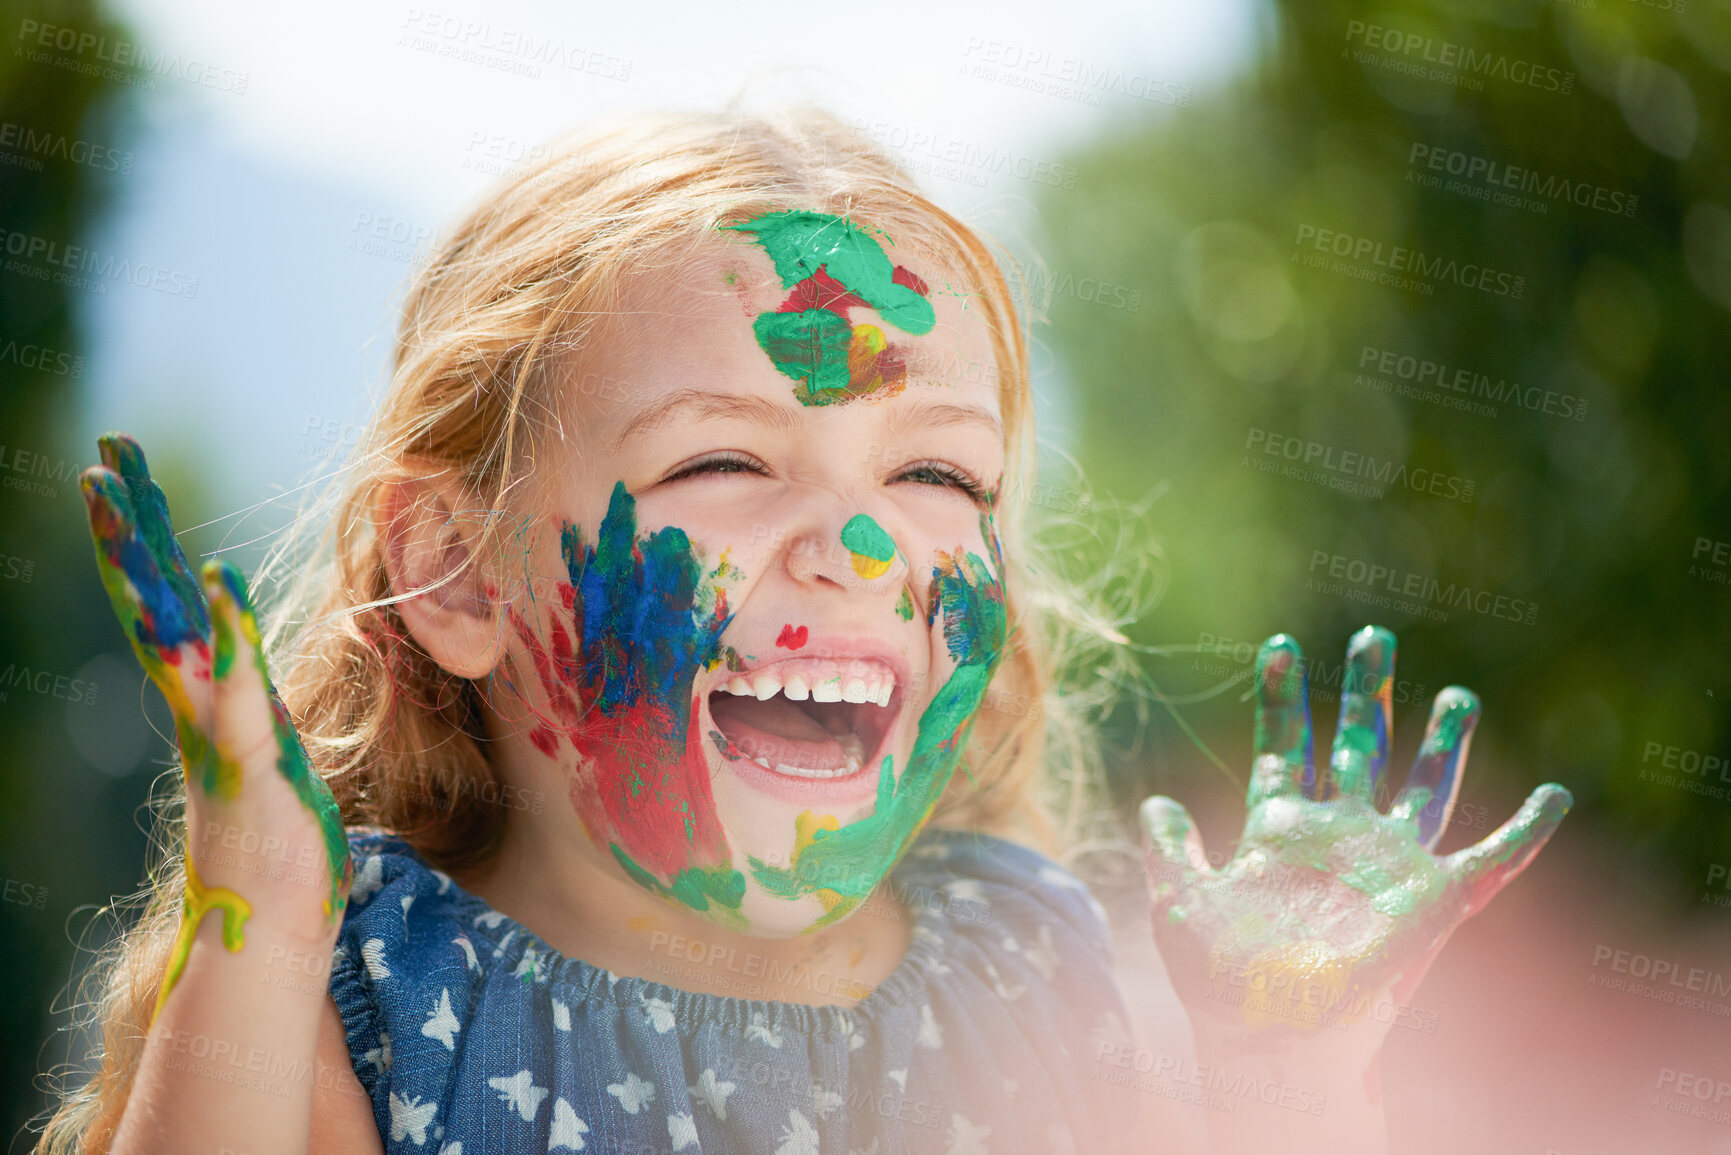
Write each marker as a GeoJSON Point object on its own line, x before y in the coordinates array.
{"type": "Point", "coordinates": [656, 760]}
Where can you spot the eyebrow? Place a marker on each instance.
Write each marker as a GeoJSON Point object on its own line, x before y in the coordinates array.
{"type": "Point", "coordinates": [943, 415]}
{"type": "Point", "coordinates": [706, 404]}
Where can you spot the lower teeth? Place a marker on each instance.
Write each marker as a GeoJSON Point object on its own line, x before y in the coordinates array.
{"type": "Point", "coordinates": [851, 747]}
{"type": "Point", "coordinates": [852, 764]}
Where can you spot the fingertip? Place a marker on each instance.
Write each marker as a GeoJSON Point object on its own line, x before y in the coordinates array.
{"type": "Point", "coordinates": [1373, 645]}
{"type": "Point", "coordinates": [1162, 818]}
{"type": "Point", "coordinates": [1554, 797]}
{"type": "Point", "coordinates": [1279, 669]}
{"type": "Point", "coordinates": [1456, 710]}
{"type": "Point", "coordinates": [121, 453]}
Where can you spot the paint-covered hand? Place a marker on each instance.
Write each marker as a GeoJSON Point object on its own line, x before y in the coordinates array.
{"type": "Point", "coordinates": [1330, 911]}
{"type": "Point", "coordinates": [259, 821]}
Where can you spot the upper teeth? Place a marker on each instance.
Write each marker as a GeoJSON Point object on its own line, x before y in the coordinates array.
{"type": "Point", "coordinates": [873, 686]}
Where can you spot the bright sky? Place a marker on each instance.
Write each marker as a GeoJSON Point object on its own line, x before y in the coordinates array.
{"type": "Point", "coordinates": [333, 139]}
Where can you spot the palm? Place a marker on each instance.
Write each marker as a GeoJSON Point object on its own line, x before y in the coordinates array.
{"type": "Point", "coordinates": [1329, 909]}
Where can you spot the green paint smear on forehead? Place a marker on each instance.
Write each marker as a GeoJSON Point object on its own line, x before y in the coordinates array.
{"type": "Point", "coordinates": [832, 265]}
{"type": "Point", "coordinates": [802, 242]}
{"type": "Point", "coordinates": [848, 862]}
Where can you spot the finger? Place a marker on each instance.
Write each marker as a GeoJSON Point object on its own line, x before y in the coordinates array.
{"type": "Point", "coordinates": [151, 613]}
{"type": "Point", "coordinates": [1170, 833]}
{"type": "Point", "coordinates": [1285, 757]}
{"type": "Point", "coordinates": [1428, 798]}
{"type": "Point", "coordinates": [253, 728]}
{"type": "Point", "coordinates": [1485, 868]}
{"type": "Point", "coordinates": [150, 512]}
{"type": "Point", "coordinates": [1366, 707]}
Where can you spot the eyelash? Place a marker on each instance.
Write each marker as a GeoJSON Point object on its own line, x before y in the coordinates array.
{"type": "Point", "coordinates": [952, 478]}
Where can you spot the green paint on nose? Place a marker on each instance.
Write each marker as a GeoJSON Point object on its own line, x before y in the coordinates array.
{"type": "Point", "coordinates": [867, 538]}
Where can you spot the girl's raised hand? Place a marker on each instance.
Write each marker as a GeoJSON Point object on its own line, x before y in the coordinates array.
{"type": "Point", "coordinates": [264, 837]}
{"type": "Point", "coordinates": [1330, 911]}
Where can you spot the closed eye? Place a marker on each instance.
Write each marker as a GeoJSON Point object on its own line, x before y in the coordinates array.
{"type": "Point", "coordinates": [943, 474]}
{"type": "Point", "coordinates": [729, 461]}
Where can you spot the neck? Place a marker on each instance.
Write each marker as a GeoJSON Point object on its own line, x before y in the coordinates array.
{"type": "Point", "coordinates": [549, 877]}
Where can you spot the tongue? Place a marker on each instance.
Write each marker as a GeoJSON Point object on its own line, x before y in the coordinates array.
{"type": "Point", "coordinates": [778, 731]}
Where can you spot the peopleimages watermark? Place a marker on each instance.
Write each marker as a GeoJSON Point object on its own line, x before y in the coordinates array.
{"type": "Point", "coordinates": [1708, 775]}
{"type": "Point", "coordinates": [1418, 589]}
{"type": "Point", "coordinates": [1190, 1081]}
{"type": "Point", "coordinates": [1398, 266]}
{"type": "Point", "coordinates": [937, 153]}
{"type": "Point", "coordinates": [1717, 875]}
{"type": "Point", "coordinates": [29, 148]}
{"type": "Point", "coordinates": [22, 893]}
{"type": "Point", "coordinates": [393, 238]}
{"type": "Point", "coordinates": [1698, 1096]}
{"type": "Point", "coordinates": [514, 50]}
{"type": "Point", "coordinates": [1711, 561]}
{"type": "Point", "coordinates": [1429, 58]}
{"type": "Point", "coordinates": [119, 61]}
{"type": "Point", "coordinates": [1349, 471]}
{"type": "Point", "coordinates": [1481, 178]}
{"type": "Point", "coordinates": [1310, 1002]}
{"type": "Point", "coordinates": [1455, 387]}
{"type": "Point", "coordinates": [1659, 979]}
{"type": "Point", "coordinates": [1421, 595]}
{"type": "Point", "coordinates": [41, 359]}
{"type": "Point", "coordinates": [81, 267]}
{"type": "Point", "coordinates": [22, 470]}
{"type": "Point", "coordinates": [1065, 77]}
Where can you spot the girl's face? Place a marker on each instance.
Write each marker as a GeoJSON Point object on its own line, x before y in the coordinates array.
{"type": "Point", "coordinates": [765, 608]}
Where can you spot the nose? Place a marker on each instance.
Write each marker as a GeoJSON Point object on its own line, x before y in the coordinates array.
{"type": "Point", "coordinates": [850, 551]}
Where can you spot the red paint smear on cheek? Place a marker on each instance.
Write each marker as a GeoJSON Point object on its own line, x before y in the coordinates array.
{"type": "Point", "coordinates": [642, 779]}
{"type": "Point", "coordinates": [634, 788]}
{"type": "Point", "coordinates": [791, 638]}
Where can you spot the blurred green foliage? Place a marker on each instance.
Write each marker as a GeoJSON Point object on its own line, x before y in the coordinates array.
{"type": "Point", "coordinates": [67, 833]}
{"type": "Point", "coordinates": [1374, 123]}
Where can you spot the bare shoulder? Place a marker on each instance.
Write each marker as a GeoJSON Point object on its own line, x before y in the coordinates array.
{"type": "Point", "coordinates": [342, 1113]}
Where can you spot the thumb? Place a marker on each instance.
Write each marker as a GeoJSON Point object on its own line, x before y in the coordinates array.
{"type": "Point", "coordinates": [1171, 847]}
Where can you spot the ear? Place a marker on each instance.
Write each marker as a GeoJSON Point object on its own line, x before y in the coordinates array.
{"type": "Point", "coordinates": [429, 531]}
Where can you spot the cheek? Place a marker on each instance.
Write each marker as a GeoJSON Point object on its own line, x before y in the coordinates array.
{"type": "Point", "coordinates": [615, 655]}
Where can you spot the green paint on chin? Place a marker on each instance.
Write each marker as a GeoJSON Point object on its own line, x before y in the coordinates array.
{"type": "Point", "coordinates": [848, 862]}
{"type": "Point", "coordinates": [719, 890]}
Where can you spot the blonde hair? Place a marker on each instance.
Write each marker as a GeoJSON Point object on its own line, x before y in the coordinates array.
{"type": "Point", "coordinates": [520, 282]}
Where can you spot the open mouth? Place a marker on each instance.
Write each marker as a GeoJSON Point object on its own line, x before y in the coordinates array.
{"type": "Point", "coordinates": [807, 718]}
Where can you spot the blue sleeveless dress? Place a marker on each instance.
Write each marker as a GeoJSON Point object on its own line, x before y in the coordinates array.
{"type": "Point", "coordinates": [473, 1037]}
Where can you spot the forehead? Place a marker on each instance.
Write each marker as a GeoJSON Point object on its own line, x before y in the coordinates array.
{"type": "Point", "coordinates": [690, 319]}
